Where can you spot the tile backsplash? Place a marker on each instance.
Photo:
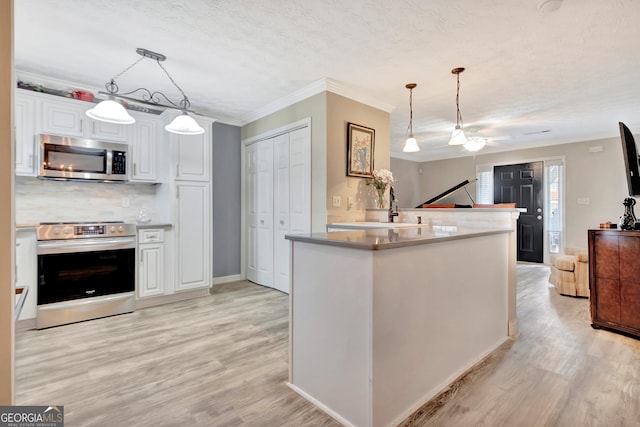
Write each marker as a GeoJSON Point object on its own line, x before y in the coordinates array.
{"type": "Point", "coordinates": [50, 201]}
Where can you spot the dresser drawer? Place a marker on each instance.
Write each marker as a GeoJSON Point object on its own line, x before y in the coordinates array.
{"type": "Point", "coordinates": [151, 235]}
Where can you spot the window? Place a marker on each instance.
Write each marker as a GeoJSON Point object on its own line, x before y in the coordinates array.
{"type": "Point", "coordinates": [484, 186]}
{"type": "Point", "coordinates": [554, 208]}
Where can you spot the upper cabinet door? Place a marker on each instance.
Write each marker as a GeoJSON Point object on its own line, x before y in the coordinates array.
{"type": "Point", "coordinates": [192, 154]}
{"type": "Point", "coordinates": [106, 131]}
{"type": "Point", "coordinates": [144, 149]}
{"type": "Point", "coordinates": [62, 118]}
{"type": "Point", "coordinates": [26, 155]}
{"type": "Point", "coordinates": [67, 117]}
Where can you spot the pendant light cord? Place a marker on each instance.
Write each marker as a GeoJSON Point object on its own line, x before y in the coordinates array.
{"type": "Point", "coordinates": [411, 113]}
{"type": "Point", "coordinates": [458, 113]}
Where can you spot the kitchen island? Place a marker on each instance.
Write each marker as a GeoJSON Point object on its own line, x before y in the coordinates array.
{"type": "Point", "coordinates": [381, 320]}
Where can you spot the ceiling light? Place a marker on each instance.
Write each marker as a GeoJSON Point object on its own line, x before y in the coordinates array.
{"type": "Point", "coordinates": [410, 145]}
{"type": "Point", "coordinates": [548, 6]}
{"type": "Point", "coordinates": [457, 136]}
{"type": "Point", "coordinates": [475, 144]}
{"type": "Point", "coordinates": [112, 112]}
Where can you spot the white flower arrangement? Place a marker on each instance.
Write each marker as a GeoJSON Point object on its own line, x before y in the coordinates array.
{"type": "Point", "coordinates": [381, 178]}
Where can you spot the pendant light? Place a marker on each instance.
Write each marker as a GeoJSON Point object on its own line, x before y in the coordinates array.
{"type": "Point", "coordinates": [457, 136]}
{"type": "Point", "coordinates": [111, 111]}
{"type": "Point", "coordinates": [410, 145]}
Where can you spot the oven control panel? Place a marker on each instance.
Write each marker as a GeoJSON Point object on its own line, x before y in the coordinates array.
{"type": "Point", "coordinates": [84, 231]}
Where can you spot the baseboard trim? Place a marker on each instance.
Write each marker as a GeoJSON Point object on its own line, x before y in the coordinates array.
{"type": "Point", "coordinates": [26, 324]}
{"type": "Point", "coordinates": [321, 406]}
{"type": "Point", "coordinates": [226, 279]}
{"type": "Point", "coordinates": [166, 299]}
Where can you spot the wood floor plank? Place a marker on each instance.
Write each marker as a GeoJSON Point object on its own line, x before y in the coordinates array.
{"type": "Point", "coordinates": [222, 360]}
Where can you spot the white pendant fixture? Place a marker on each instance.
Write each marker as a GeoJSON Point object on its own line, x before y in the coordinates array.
{"type": "Point", "coordinates": [111, 111]}
{"type": "Point", "coordinates": [410, 145]}
{"type": "Point", "coordinates": [475, 144]}
{"type": "Point", "coordinates": [457, 136]}
{"type": "Point", "coordinates": [184, 125]}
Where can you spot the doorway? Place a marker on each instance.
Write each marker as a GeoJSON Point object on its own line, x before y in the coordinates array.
{"type": "Point", "coordinates": [523, 184]}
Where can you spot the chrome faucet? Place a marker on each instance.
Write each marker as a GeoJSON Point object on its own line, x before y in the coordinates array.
{"type": "Point", "coordinates": [392, 200]}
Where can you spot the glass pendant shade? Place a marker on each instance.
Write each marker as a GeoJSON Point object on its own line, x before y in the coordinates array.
{"type": "Point", "coordinates": [475, 144]}
{"type": "Point", "coordinates": [111, 112]}
{"type": "Point", "coordinates": [411, 145]}
{"type": "Point", "coordinates": [184, 125]}
{"type": "Point", "coordinates": [457, 137]}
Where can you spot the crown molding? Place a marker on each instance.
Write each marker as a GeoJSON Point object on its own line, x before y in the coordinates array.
{"type": "Point", "coordinates": [319, 86]}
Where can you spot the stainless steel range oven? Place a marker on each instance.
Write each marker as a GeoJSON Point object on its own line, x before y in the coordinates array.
{"type": "Point", "coordinates": [85, 271]}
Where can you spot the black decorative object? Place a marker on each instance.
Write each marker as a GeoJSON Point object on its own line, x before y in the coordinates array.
{"type": "Point", "coordinates": [628, 220]}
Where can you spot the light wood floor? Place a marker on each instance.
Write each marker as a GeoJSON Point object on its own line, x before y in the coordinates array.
{"type": "Point", "coordinates": [222, 361]}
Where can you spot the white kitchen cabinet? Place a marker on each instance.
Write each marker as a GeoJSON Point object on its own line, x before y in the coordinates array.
{"type": "Point", "coordinates": [192, 153]}
{"type": "Point", "coordinates": [27, 269]}
{"type": "Point", "coordinates": [151, 262]}
{"type": "Point", "coordinates": [24, 116]}
{"type": "Point", "coordinates": [192, 235]}
{"type": "Point", "coordinates": [144, 138]}
{"type": "Point", "coordinates": [278, 202]}
{"type": "Point", "coordinates": [67, 117]}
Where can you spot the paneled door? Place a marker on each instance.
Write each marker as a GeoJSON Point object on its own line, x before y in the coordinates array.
{"type": "Point", "coordinates": [281, 201]}
{"type": "Point", "coordinates": [522, 184]}
{"type": "Point", "coordinates": [251, 207]}
{"type": "Point", "coordinates": [277, 203]}
{"type": "Point", "coordinates": [193, 219]}
{"type": "Point", "coordinates": [264, 228]}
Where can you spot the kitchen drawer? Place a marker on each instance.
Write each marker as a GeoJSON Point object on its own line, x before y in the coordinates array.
{"type": "Point", "coordinates": [151, 235]}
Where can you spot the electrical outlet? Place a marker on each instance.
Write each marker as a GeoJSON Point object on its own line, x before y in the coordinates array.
{"type": "Point", "coordinates": [583, 200]}
{"type": "Point", "coordinates": [336, 201]}
{"type": "Point", "coordinates": [125, 202]}
{"type": "Point", "coordinates": [350, 202]}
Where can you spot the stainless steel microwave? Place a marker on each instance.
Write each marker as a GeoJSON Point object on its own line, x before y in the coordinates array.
{"type": "Point", "coordinates": [63, 157]}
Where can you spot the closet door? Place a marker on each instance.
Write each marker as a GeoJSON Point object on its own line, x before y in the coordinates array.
{"type": "Point", "coordinates": [300, 176]}
{"type": "Point", "coordinates": [251, 206]}
{"type": "Point", "coordinates": [281, 212]}
{"type": "Point", "coordinates": [265, 213]}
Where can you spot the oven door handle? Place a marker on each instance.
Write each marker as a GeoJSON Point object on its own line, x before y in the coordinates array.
{"type": "Point", "coordinates": [85, 246]}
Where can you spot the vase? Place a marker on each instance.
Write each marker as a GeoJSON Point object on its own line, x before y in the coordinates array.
{"type": "Point", "coordinates": [380, 201]}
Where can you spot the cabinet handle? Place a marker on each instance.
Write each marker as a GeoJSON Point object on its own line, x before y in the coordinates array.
{"type": "Point", "coordinates": [81, 126]}
{"type": "Point", "coordinates": [177, 170]}
{"type": "Point", "coordinates": [140, 256]}
{"type": "Point", "coordinates": [135, 169]}
{"type": "Point", "coordinates": [262, 221]}
{"type": "Point", "coordinates": [281, 222]}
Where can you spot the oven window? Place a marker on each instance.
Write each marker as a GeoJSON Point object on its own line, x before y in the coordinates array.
{"type": "Point", "coordinates": [70, 276]}
{"type": "Point", "coordinates": [75, 159]}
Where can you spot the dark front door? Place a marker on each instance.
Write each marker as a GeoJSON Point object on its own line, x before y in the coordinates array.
{"type": "Point", "coordinates": [522, 184]}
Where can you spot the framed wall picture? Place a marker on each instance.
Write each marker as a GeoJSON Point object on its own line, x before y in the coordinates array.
{"type": "Point", "coordinates": [360, 150]}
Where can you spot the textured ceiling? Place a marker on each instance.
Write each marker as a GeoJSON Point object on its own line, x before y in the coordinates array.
{"type": "Point", "coordinates": [532, 78]}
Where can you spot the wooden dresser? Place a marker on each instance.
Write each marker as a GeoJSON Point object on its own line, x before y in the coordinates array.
{"type": "Point", "coordinates": [614, 280]}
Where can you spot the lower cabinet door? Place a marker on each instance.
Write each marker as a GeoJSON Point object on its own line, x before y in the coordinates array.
{"type": "Point", "coordinates": [151, 276]}
{"type": "Point", "coordinates": [193, 241]}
